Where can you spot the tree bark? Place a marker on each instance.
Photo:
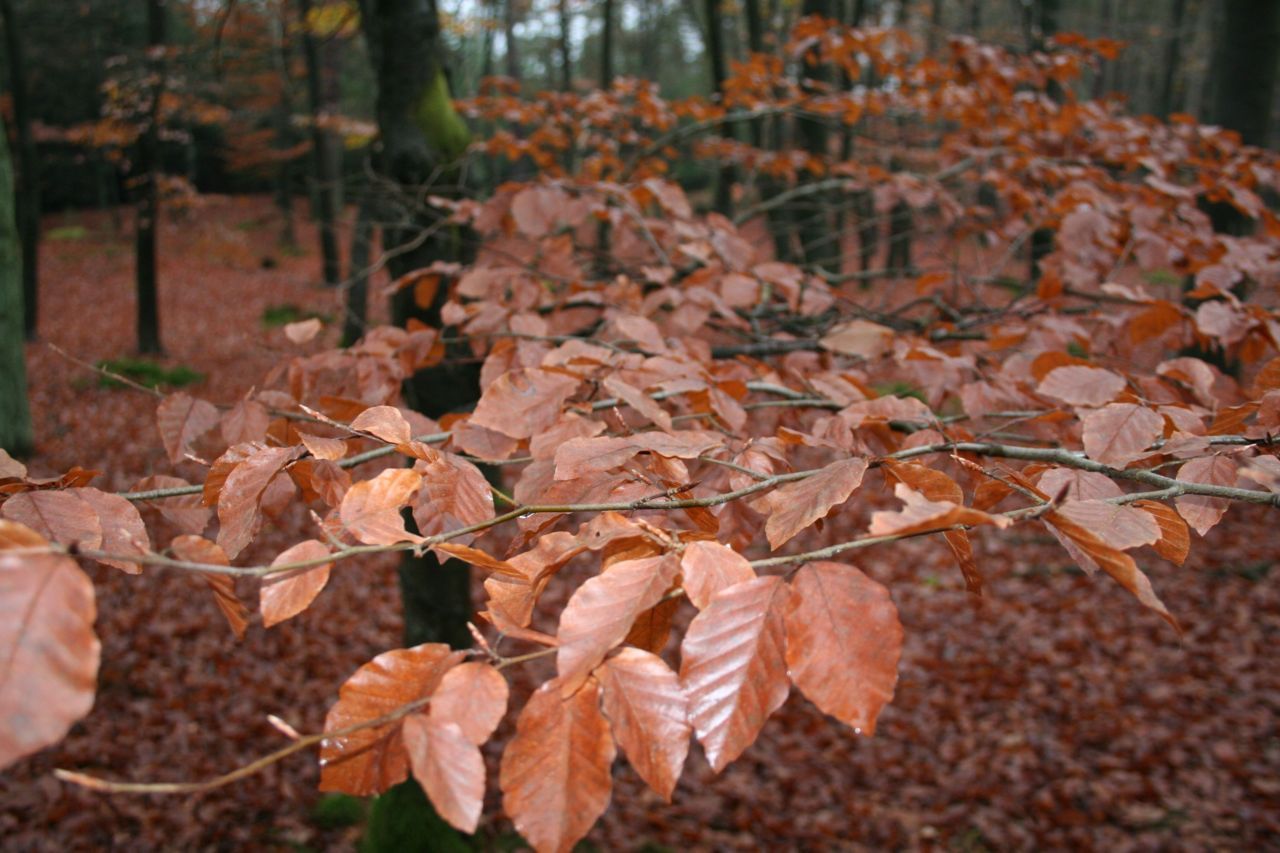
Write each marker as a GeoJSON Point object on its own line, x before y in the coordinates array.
{"type": "Point", "coordinates": [715, 54]}
{"type": "Point", "coordinates": [1248, 45]}
{"type": "Point", "coordinates": [15, 418]}
{"type": "Point", "coordinates": [606, 45]}
{"type": "Point", "coordinates": [149, 203]}
{"type": "Point", "coordinates": [509, 31]}
{"type": "Point", "coordinates": [324, 172]}
{"type": "Point", "coordinates": [566, 64]}
{"type": "Point", "coordinates": [1172, 59]}
{"type": "Point", "coordinates": [27, 197]}
{"type": "Point", "coordinates": [819, 234]}
{"type": "Point", "coordinates": [356, 317]}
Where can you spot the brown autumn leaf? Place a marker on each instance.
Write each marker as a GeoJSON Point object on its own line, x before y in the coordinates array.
{"type": "Point", "coordinates": [1119, 433]}
{"type": "Point", "coordinates": [123, 531]}
{"type": "Point", "coordinates": [11, 468]}
{"type": "Point", "coordinates": [1122, 527]}
{"type": "Point", "coordinates": [185, 512]}
{"type": "Point", "coordinates": [797, 505]}
{"type": "Point", "coordinates": [454, 494]}
{"type": "Point", "coordinates": [578, 457]}
{"type": "Point", "coordinates": [652, 628]}
{"type": "Point", "coordinates": [1200, 511]}
{"type": "Point", "coordinates": [479, 559]}
{"type": "Point", "coordinates": [555, 775]}
{"type": "Point", "coordinates": [1113, 561]}
{"type": "Point", "coordinates": [197, 549]}
{"type": "Point", "coordinates": [602, 610]}
{"type": "Point", "coordinates": [321, 447]}
{"type": "Point", "coordinates": [239, 510]}
{"type": "Point", "coordinates": [859, 338]}
{"type": "Point", "coordinates": [638, 400]}
{"type": "Point", "coordinates": [921, 514]}
{"type": "Point", "coordinates": [524, 402]}
{"type": "Point", "coordinates": [182, 419]}
{"type": "Point", "coordinates": [370, 760]}
{"type": "Point", "coordinates": [1076, 485]}
{"type": "Point", "coordinates": [247, 420]}
{"type": "Point", "coordinates": [937, 486]}
{"type": "Point", "coordinates": [733, 666]}
{"type": "Point", "coordinates": [843, 642]}
{"type": "Point", "coordinates": [708, 567]}
{"type": "Point", "coordinates": [644, 702]}
{"type": "Point", "coordinates": [223, 466]}
{"type": "Point", "coordinates": [49, 653]}
{"type": "Point", "coordinates": [285, 594]}
{"type": "Point", "coordinates": [303, 330]}
{"type": "Point", "coordinates": [474, 696]}
{"type": "Point", "coordinates": [64, 516]}
{"type": "Point", "coordinates": [384, 422]}
{"type": "Point", "coordinates": [14, 535]}
{"type": "Point", "coordinates": [370, 509]}
{"type": "Point", "coordinates": [1175, 540]}
{"type": "Point", "coordinates": [1081, 386]}
{"type": "Point", "coordinates": [449, 767]}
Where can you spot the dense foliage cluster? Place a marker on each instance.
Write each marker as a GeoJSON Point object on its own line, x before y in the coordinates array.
{"type": "Point", "coordinates": [659, 390]}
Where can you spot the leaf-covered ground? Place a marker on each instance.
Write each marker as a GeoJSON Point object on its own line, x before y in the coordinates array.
{"type": "Point", "coordinates": [1053, 713]}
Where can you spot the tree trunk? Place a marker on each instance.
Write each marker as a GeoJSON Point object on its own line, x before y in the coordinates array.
{"type": "Point", "coordinates": [149, 203]}
{"type": "Point", "coordinates": [1248, 45]}
{"type": "Point", "coordinates": [819, 235]}
{"type": "Point", "coordinates": [284, 140]}
{"type": "Point", "coordinates": [566, 64]}
{"type": "Point", "coordinates": [715, 54]}
{"type": "Point", "coordinates": [356, 317]}
{"type": "Point", "coordinates": [324, 172]}
{"type": "Point", "coordinates": [27, 198]}
{"type": "Point", "coordinates": [15, 418]}
{"type": "Point", "coordinates": [509, 31]}
{"type": "Point", "coordinates": [606, 45]}
{"type": "Point", "coordinates": [1172, 59]}
{"type": "Point", "coordinates": [935, 28]}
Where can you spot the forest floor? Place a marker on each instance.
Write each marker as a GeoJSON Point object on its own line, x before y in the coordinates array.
{"type": "Point", "coordinates": [1055, 712]}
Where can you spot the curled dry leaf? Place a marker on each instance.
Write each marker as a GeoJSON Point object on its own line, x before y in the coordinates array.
{"type": "Point", "coordinates": [286, 594]}
{"type": "Point", "coordinates": [643, 700]}
{"type": "Point", "coordinates": [48, 651]}
{"type": "Point", "coordinates": [370, 760]}
{"type": "Point", "coordinates": [182, 419]}
{"type": "Point", "coordinates": [449, 768]}
{"type": "Point", "coordinates": [733, 666]}
{"type": "Point", "coordinates": [797, 505]}
{"type": "Point", "coordinates": [384, 422]}
{"type": "Point", "coordinates": [474, 696]}
{"type": "Point", "coordinates": [921, 514]}
{"type": "Point", "coordinates": [1113, 561]}
{"type": "Point", "coordinates": [370, 509]}
{"type": "Point", "coordinates": [1175, 540]}
{"type": "Point", "coordinates": [454, 494]}
{"type": "Point", "coordinates": [197, 549]}
{"type": "Point", "coordinates": [239, 501]}
{"type": "Point", "coordinates": [638, 400]}
{"type": "Point", "coordinates": [708, 567]}
{"type": "Point", "coordinates": [1119, 433]}
{"type": "Point", "coordinates": [937, 486]}
{"type": "Point", "coordinates": [330, 449]}
{"type": "Point", "coordinates": [578, 457]}
{"type": "Point", "coordinates": [843, 642]}
{"type": "Point", "coordinates": [602, 610]}
{"type": "Point", "coordinates": [555, 774]}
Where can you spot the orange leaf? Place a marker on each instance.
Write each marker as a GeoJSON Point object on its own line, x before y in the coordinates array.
{"type": "Point", "coordinates": [733, 666]}
{"type": "Point", "coordinates": [454, 494]}
{"type": "Point", "coordinates": [843, 642]}
{"type": "Point", "coordinates": [449, 768]}
{"type": "Point", "coordinates": [288, 593]}
{"type": "Point", "coordinates": [921, 514]}
{"type": "Point", "coordinates": [708, 567]}
{"type": "Point", "coordinates": [239, 511]}
{"type": "Point", "coordinates": [1081, 386]}
{"type": "Point", "coordinates": [384, 422]}
{"type": "Point", "coordinates": [1119, 433]}
{"type": "Point", "coordinates": [48, 648]}
{"type": "Point", "coordinates": [1175, 540]}
{"type": "Point", "coordinates": [555, 774]}
{"type": "Point", "coordinates": [643, 700]}
{"type": "Point", "coordinates": [524, 402]}
{"type": "Point", "coordinates": [602, 610]}
{"type": "Point", "coordinates": [797, 505]}
{"type": "Point", "coordinates": [370, 760]}
{"type": "Point", "coordinates": [371, 508]}
{"type": "Point", "coordinates": [197, 549]}
{"type": "Point", "coordinates": [1200, 511]}
{"type": "Point", "coordinates": [183, 419]}
{"type": "Point", "coordinates": [474, 696]}
{"type": "Point", "coordinates": [186, 512]}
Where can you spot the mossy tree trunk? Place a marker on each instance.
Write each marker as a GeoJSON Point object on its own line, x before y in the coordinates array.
{"type": "Point", "coordinates": [15, 418]}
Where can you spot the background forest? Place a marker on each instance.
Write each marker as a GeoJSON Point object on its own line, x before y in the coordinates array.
{"type": "Point", "coordinates": [639, 424]}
